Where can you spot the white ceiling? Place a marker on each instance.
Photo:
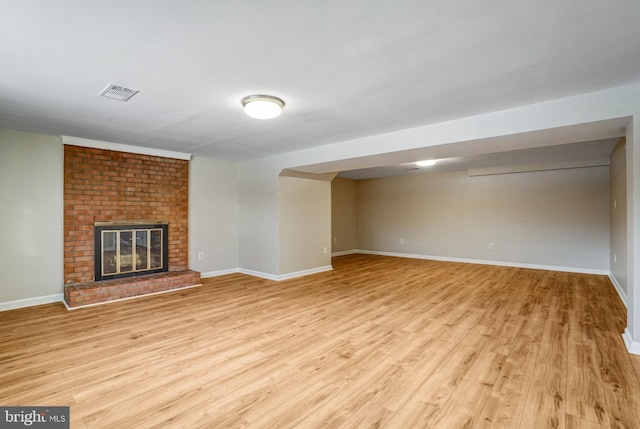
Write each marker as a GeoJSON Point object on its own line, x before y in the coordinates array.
{"type": "Point", "coordinates": [596, 150]}
{"type": "Point", "coordinates": [345, 69]}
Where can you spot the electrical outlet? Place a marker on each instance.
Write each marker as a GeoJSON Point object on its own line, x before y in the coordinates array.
{"type": "Point", "coordinates": [200, 255]}
{"type": "Point", "coordinates": [335, 241]}
{"type": "Point", "coordinates": [490, 246]}
{"type": "Point", "coordinates": [402, 241]}
{"type": "Point", "coordinates": [326, 250]}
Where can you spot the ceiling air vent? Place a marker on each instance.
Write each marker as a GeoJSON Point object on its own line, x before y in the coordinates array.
{"type": "Point", "coordinates": [118, 92]}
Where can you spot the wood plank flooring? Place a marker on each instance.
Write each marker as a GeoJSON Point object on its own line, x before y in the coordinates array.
{"type": "Point", "coordinates": [377, 342]}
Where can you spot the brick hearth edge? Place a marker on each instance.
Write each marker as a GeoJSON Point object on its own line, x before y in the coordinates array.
{"type": "Point", "coordinates": [89, 293]}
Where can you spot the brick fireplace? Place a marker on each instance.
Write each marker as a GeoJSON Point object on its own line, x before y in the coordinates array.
{"type": "Point", "coordinates": [106, 187]}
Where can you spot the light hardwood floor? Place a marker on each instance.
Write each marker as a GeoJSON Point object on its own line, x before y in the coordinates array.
{"type": "Point", "coordinates": [377, 342]}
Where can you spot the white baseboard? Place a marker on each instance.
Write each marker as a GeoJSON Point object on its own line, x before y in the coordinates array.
{"type": "Point", "coordinates": [618, 288]}
{"type": "Point", "coordinates": [219, 273]}
{"type": "Point", "coordinates": [305, 272]}
{"type": "Point", "coordinates": [632, 346]}
{"type": "Point", "coordinates": [260, 274]}
{"type": "Point", "coordinates": [345, 252]}
{"type": "Point", "coordinates": [287, 276]}
{"type": "Point", "coordinates": [485, 262]}
{"type": "Point", "coordinates": [30, 302]}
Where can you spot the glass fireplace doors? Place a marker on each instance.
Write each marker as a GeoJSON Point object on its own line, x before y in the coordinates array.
{"type": "Point", "coordinates": [127, 250]}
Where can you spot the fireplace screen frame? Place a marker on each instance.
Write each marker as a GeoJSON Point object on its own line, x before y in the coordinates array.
{"type": "Point", "coordinates": [101, 227]}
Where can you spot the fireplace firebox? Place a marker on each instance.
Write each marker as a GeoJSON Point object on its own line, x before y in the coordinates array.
{"type": "Point", "coordinates": [126, 249]}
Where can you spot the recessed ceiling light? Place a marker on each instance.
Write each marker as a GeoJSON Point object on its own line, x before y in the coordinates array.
{"type": "Point", "coordinates": [426, 163]}
{"type": "Point", "coordinates": [262, 106]}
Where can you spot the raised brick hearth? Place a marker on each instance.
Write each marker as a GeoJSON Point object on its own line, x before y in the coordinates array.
{"type": "Point", "coordinates": [110, 186]}
{"type": "Point", "coordinates": [88, 293]}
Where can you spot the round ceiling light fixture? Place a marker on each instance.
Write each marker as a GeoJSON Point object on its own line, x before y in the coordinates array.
{"type": "Point", "coordinates": [262, 106]}
{"type": "Point", "coordinates": [427, 163]}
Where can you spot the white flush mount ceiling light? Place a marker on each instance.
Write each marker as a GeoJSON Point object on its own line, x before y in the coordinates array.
{"type": "Point", "coordinates": [426, 163]}
{"type": "Point", "coordinates": [262, 106]}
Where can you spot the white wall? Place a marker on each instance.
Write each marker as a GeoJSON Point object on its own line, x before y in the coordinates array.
{"type": "Point", "coordinates": [618, 218]}
{"type": "Point", "coordinates": [31, 219]}
{"type": "Point", "coordinates": [213, 215]}
{"type": "Point", "coordinates": [632, 332]}
{"type": "Point", "coordinates": [554, 218]}
{"type": "Point", "coordinates": [304, 225]}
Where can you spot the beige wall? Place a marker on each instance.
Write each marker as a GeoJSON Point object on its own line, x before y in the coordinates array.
{"type": "Point", "coordinates": [304, 224]}
{"type": "Point", "coordinates": [30, 216]}
{"type": "Point", "coordinates": [343, 215]}
{"type": "Point", "coordinates": [213, 215]}
{"type": "Point", "coordinates": [555, 218]}
{"type": "Point", "coordinates": [258, 232]}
